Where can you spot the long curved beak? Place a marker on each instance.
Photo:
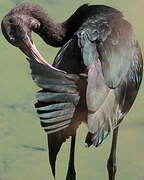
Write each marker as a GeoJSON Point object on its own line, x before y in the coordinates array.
{"type": "Point", "coordinates": [31, 51]}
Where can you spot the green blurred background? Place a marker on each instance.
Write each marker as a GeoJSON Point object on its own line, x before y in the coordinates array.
{"type": "Point", "coordinates": [23, 144]}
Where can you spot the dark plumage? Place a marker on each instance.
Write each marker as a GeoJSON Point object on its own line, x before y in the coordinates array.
{"type": "Point", "coordinates": [95, 76]}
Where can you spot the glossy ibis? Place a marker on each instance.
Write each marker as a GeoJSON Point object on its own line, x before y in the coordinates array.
{"type": "Point", "coordinates": [94, 79]}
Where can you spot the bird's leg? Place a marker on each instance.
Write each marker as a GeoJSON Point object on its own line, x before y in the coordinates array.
{"type": "Point", "coordinates": [71, 174]}
{"type": "Point", "coordinates": [111, 163]}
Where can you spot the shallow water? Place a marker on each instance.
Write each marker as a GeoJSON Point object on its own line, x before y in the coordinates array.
{"type": "Point", "coordinates": [23, 144]}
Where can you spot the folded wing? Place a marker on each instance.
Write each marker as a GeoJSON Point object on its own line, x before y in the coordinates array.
{"type": "Point", "coordinates": [114, 62]}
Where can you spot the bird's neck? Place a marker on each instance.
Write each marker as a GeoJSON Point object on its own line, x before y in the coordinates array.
{"type": "Point", "coordinates": [57, 34]}
{"type": "Point", "coordinates": [51, 32]}
{"type": "Point", "coordinates": [54, 34]}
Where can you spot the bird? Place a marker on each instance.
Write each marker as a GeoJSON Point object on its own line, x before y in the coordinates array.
{"type": "Point", "coordinates": [95, 76]}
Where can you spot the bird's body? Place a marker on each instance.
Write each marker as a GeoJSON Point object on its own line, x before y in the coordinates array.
{"type": "Point", "coordinates": [101, 65]}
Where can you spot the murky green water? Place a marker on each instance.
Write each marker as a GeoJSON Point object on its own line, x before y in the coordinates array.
{"type": "Point", "coordinates": [23, 144]}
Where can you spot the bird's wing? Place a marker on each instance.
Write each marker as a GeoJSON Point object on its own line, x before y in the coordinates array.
{"type": "Point", "coordinates": [59, 97]}
{"type": "Point", "coordinates": [114, 63]}
{"type": "Point", "coordinates": [107, 107]}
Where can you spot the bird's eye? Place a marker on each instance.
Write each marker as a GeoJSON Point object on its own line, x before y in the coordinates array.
{"type": "Point", "coordinates": [10, 21]}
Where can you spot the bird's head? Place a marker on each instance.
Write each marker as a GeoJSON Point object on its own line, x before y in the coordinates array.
{"type": "Point", "coordinates": [17, 30]}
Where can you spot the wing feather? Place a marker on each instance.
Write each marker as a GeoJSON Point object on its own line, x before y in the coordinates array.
{"type": "Point", "coordinates": [59, 105]}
